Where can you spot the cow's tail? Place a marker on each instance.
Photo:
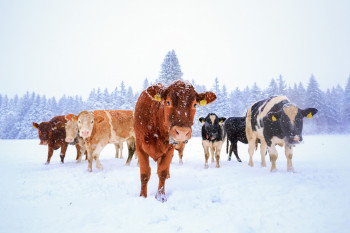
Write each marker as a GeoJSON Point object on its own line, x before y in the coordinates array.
{"type": "Point", "coordinates": [227, 142]}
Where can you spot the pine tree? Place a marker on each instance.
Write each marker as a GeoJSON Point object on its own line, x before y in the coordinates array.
{"type": "Point", "coordinates": [315, 99]}
{"type": "Point", "coordinates": [145, 84]}
{"type": "Point", "coordinates": [346, 106]}
{"type": "Point", "coordinates": [282, 86]}
{"type": "Point", "coordinates": [170, 69]}
{"type": "Point", "coordinates": [255, 94]}
{"type": "Point", "coordinates": [272, 89]}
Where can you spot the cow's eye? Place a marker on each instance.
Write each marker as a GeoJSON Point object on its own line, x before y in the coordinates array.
{"type": "Point", "coordinates": [79, 122]}
{"type": "Point", "coordinates": [92, 122]}
{"type": "Point", "coordinates": [195, 105]}
{"type": "Point", "coordinates": [168, 103]}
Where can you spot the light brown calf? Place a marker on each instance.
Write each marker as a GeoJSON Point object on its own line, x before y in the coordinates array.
{"type": "Point", "coordinates": [101, 127]}
{"type": "Point", "coordinates": [73, 138]}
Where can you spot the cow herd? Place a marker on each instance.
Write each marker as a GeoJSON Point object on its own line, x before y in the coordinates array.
{"type": "Point", "coordinates": [162, 122]}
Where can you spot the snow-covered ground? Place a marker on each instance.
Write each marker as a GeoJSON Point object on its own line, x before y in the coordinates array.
{"type": "Point", "coordinates": [234, 198]}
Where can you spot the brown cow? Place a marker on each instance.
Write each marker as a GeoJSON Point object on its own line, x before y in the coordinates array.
{"type": "Point", "coordinates": [72, 137]}
{"type": "Point", "coordinates": [164, 117]}
{"type": "Point", "coordinates": [101, 127]}
{"type": "Point", "coordinates": [52, 133]}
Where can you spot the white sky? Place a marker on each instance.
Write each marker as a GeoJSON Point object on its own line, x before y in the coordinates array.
{"type": "Point", "coordinates": [70, 47]}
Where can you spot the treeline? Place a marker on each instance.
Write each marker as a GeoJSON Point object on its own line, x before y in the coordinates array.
{"type": "Point", "coordinates": [18, 113]}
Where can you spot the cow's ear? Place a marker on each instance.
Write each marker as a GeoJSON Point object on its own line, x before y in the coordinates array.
{"type": "Point", "coordinates": [309, 112]}
{"type": "Point", "coordinates": [99, 119]}
{"type": "Point", "coordinates": [157, 92]}
{"type": "Point", "coordinates": [221, 120]}
{"type": "Point", "coordinates": [35, 125]}
{"type": "Point", "coordinates": [71, 117]}
{"type": "Point", "coordinates": [206, 98]}
{"type": "Point", "coordinates": [274, 116]}
{"type": "Point", "coordinates": [201, 120]}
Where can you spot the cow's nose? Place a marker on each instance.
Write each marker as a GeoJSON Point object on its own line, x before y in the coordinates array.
{"type": "Point", "coordinates": [181, 133]}
{"type": "Point", "coordinates": [69, 140]}
{"type": "Point", "coordinates": [296, 138]}
{"type": "Point", "coordinates": [84, 133]}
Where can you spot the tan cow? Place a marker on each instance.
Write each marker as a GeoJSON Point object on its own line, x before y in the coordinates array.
{"type": "Point", "coordinates": [101, 127]}
{"type": "Point", "coordinates": [72, 137]}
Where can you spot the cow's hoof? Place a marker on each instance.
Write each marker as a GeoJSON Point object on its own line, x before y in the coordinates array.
{"type": "Point", "coordinates": [47, 163]}
{"type": "Point", "coordinates": [89, 169]}
{"type": "Point", "coordinates": [160, 196]}
{"type": "Point", "coordinates": [273, 170]}
{"type": "Point", "coordinates": [229, 159]}
{"type": "Point", "coordinates": [180, 162]}
{"type": "Point", "coordinates": [291, 170]}
{"type": "Point", "coordinates": [251, 164]}
{"type": "Point", "coordinates": [263, 165]}
{"type": "Point", "coordinates": [239, 160]}
{"type": "Point", "coordinates": [206, 166]}
{"type": "Point", "coordinates": [217, 166]}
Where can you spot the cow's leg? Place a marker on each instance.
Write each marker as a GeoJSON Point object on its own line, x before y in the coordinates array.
{"type": "Point", "coordinates": [82, 152]}
{"type": "Point", "coordinates": [273, 157]}
{"type": "Point", "coordinates": [230, 152]}
{"type": "Point", "coordinates": [131, 149]}
{"type": "Point", "coordinates": [117, 146]}
{"type": "Point", "coordinates": [145, 171]}
{"type": "Point", "coordinates": [89, 154]}
{"type": "Point", "coordinates": [217, 146]}
{"type": "Point", "coordinates": [77, 146]}
{"type": "Point", "coordinates": [49, 154]}
{"type": "Point", "coordinates": [289, 155]}
{"type": "Point", "coordinates": [163, 172]}
{"type": "Point", "coordinates": [251, 149]}
{"type": "Point", "coordinates": [234, 144]}
{"type": "Point", "coordinates": [212, 151]}
{"type": "Point", "coordinates": [181, 153]}
{"type": "Point", "coordinates": [263, 148]}
{"type": "Point", "coordinates": [206, 145]}
{"type": "Point", "coordinates": [63, 151]}
{"type": "Point", "coordinates": [96, 154]}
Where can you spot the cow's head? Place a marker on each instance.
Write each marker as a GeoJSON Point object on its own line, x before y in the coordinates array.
{"type": "Point", "coordinates": [212, 127]}
{"type": "Point", "coordinates": [71, 127]}
{"type": "Point", "coordinates": [290, 119]}
{"type": "Point", "coordinates": [86, 121]}
{"type": "Point", "coordinates": [180, 101]}
{"type": "Point", "coordinates": [43, 131]}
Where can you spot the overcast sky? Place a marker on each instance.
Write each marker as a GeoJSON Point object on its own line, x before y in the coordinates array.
{"type": "Point", "coordinates": [70, 47]}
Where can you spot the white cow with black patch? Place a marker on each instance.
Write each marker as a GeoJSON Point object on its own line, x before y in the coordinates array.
{"type": "Point", "coordinates": [275, 121]}
{"type": "Point", "coordinates": [213, 135]}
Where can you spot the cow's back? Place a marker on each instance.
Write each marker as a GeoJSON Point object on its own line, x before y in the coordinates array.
{"type": "Point", "coordinates": [122, 122]}
{"type": "Point", "coordinates": [58, 119]}
{"type": "Point", "coordinates": [260, 109]}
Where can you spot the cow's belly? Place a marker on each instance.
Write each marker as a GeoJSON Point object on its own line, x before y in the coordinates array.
{"type": "Point", "coordinates": [277, 141]}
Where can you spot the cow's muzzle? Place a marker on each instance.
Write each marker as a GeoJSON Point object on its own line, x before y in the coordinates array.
{"type": "Point", "coordinates": [294, 140]}
{"type": "Point", "coordinates": [180, 134]}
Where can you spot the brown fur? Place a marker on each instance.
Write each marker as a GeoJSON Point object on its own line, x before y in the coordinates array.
{"type": "Point", "coordinates": [52, 134]}
{"type": "Point", "coordinates": [158, 121]}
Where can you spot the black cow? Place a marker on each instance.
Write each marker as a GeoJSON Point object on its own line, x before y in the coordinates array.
{"type": "Point", "coordinates": [213, 136]}
{"type": "Point", "coordinates": [235, 129]}
{"type": "Point", "coordinates": [275, 121]}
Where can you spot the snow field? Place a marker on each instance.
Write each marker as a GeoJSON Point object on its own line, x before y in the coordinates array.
{"type": "Point", "coordinates": [233, 198]}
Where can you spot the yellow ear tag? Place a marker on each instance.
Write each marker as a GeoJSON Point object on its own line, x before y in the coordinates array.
{"type": "Point", "coordinates": [55, 128]}
{"type": "Point", "coordinates": [221, 121]}
{"type": "Point", "coordinates": [157, 98]}
{"type": "Point", "coordinates": [273, 118]}
{"type": "Point", "coordinates": [34, 126]}
{"type": "Point", "coordinates": [309, 115]}
{"type": "Point", "coordinates": [203, 122]}
{"type": "Point", "coordinates": [203, 102]}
